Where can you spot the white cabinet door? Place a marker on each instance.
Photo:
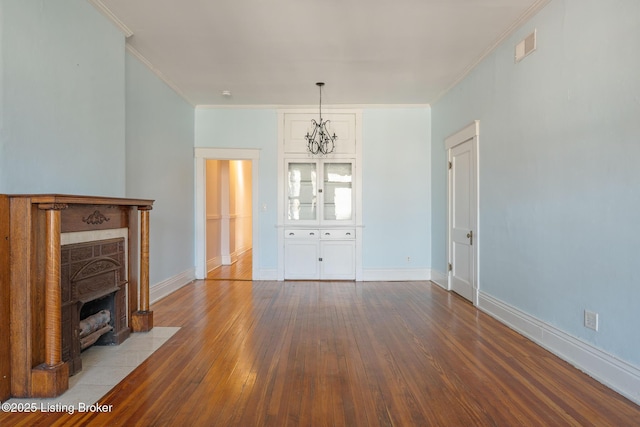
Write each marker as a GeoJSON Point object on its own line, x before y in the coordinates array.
{"type": "Point", "coordinates": [337, 192]}
{"type": "Point", "coordinates": [320, 254]}
{"type": "Point", "coordinates": [301, 259]}
{"type": "Point", "coordinates": [319, 192]}
{"type": "Point", "coordinates": [302, 192]}
{"type": "Point", "coordinates": [338, 260]}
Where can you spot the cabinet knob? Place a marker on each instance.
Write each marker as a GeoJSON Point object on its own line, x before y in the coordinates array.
{"type": "Point", "coordinates": [319, 259]}
{"type": "Point", "coordinates": [292, 234]}
{"type": "Point", "coordinates": [327, 234]}
{"type": "Point", "coordinates": [312, 234]}
{"type": "Point", "coordinates": [348, 234]}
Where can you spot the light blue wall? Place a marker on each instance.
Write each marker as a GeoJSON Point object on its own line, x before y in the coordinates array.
{"type": "Point", "coordinates": [254, 129]}
{"type": "Point", "coordinates": [160, 166]}
{"type": "Point", "coordinates": [396, 198]}
{"type": "Point", "coordinates": [396, 195]}
{"type": "Point", "coordinates": [559, 150]}
{"type": "Point", "coordinates": [62, 94]}
{"type": "Point", "coordinates": [67, 126]}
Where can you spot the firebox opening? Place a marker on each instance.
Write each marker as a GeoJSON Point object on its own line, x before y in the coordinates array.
{"type": "Point", "coordinates": [96, 322]}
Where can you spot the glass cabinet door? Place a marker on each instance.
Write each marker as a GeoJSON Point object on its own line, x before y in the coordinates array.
{"type": "Point", "coordinates": [338, 193]}
{"type": "Point", "coordinates": [302, 191]}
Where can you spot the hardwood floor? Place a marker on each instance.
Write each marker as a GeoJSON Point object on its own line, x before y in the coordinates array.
{"type": "Point", "coordinates": [344, 354]}
{"type": "Point", "coordinates": [239, 270]}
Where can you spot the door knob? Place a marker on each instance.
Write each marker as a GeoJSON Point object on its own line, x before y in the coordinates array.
{"type": "Point", "coordinates": [470, 237]}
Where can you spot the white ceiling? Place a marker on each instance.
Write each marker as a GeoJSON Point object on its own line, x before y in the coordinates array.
{"type": "Point", "coordinates": [272, 52]}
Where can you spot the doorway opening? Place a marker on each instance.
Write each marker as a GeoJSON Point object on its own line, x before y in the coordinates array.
{"type": "Point", "coordinates": [237, 255]}
{"type": "Point", "coordinates": [229, 219]}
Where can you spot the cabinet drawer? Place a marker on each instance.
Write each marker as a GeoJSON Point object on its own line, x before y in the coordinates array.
{"type": "Point", "coordinates": [338, 234]}
{"type": "Point", "coordinates": [301, 234]}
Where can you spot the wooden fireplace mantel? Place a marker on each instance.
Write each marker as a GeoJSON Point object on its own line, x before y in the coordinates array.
{"type": "Point", "coordinates": [34, 367]}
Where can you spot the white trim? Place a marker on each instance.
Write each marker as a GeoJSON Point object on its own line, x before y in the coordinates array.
{"type": "Point", "coordinates": [311, 108]}
{"type": "Point", "coordinates": [527, 15]}
{"type": "Point", "coordinates": [214, 262]}
{"type": "Point", "coordinates": [616, 374]}
{"type": "Point", "coordinates": [265, 274]}
{"type": "Point", "coordinates": [227, 153]}
{"type": "Point", "coordinates": [463, 135]}
{"type": "Point", "coordinates": [98, 4]}
{"type": "Point", "coordinates": [105, 11]}
{"type": "Point", "coordinates": [439, 279]}
{"type": "Point", "coordinates": [469, 132]}
{"type": "Point", "coordinates": [201, 155]}
{"type": "Point", "coordinates": [170, 285]}
{"type": "Point", "coordinates": [397, 274]}
{"type": "Point", "coordinates": [111, 17]}
{"type": "Point", "coordinates": [132, 50]}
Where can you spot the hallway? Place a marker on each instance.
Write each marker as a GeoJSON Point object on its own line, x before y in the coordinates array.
{"type": "Point", "coordinates": [239, 270]}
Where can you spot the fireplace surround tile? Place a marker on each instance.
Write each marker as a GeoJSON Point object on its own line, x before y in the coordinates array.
{"type": "Point", "coordinates": [116, 362]}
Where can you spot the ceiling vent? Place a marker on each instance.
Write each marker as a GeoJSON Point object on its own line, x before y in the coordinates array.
{"type": "Point", "coordinates": [526, 46]}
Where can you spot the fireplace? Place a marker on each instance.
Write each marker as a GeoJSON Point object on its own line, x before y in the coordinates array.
{"type": "Point", "coordinates": [37, 227]}
{"type": "Point", "coordinates": [93, 283]}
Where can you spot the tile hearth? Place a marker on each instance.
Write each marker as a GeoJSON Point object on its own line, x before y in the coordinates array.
{"type": "Point", "coordinates": [103, 367]}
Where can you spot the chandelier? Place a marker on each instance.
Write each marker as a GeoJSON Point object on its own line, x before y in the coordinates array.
{"type": "Point", "coordinates": [320, 141]}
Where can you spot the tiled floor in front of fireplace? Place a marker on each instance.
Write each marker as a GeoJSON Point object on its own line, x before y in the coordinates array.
{"type": "Point", "coordinates": [105, 366]}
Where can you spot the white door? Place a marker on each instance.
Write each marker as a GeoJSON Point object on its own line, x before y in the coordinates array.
{"type": "Point", "coordinates": [463, 219]}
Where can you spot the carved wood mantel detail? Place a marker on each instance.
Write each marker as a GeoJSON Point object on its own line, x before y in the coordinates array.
{"type": "Point", "coordinates": [95, 218]}
{"type": "Point", "coordinates": [36, 223]}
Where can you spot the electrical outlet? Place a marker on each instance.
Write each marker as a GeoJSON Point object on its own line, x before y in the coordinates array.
{"type": "Point", "coordinates": [591, 320]}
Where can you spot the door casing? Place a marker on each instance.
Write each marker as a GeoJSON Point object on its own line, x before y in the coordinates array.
{"type": "Point", "coordinates": [201, 157]}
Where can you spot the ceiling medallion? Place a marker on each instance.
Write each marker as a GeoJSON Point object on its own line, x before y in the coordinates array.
{"type": "Point", "coordinates": [320, 140]}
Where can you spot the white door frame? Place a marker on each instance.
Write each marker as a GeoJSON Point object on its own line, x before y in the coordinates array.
{"type": "Point", "coordinates": [469, 132]}
{"type": "Point", "coordinates": [201, 157]}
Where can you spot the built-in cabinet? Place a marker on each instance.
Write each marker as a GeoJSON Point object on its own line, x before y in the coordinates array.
{"type": "Point", "coordinates": [319, 197]}
{"type": "Point", "coordinates": [328, 254]}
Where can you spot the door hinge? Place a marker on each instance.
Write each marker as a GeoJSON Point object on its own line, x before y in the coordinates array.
{"type": "Point", "coordinates": [450, 165]}
{"type": "Point", "coordinates": [450, 267]}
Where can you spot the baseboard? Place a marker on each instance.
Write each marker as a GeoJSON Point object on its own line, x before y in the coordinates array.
{"type": "Point", "coordinates": [616, 374]}
{"type": "Point", "coordinates": [213, 263]}
{"type": "Point", "coordinates": [170, 285]}
{"type": "Point", "coordinates": [391, 275]}
{"type": "Point", "coordinates": [440, 279]}
{"type": "Point", "coordinates": [265, 274]}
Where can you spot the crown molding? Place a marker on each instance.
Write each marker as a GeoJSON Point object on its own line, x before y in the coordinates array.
{"type": "Point", "coordinates": [528, 14]}
{"type": "Point", "coordinates": [113, 18]}
{"type": "Point", "coordinates": [307, 107]}
{"type": "Point", "coordinates": [132, 50]}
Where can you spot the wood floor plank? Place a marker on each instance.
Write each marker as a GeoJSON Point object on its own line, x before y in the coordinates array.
{"type": "Point", "coordinates": [252, 353]}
